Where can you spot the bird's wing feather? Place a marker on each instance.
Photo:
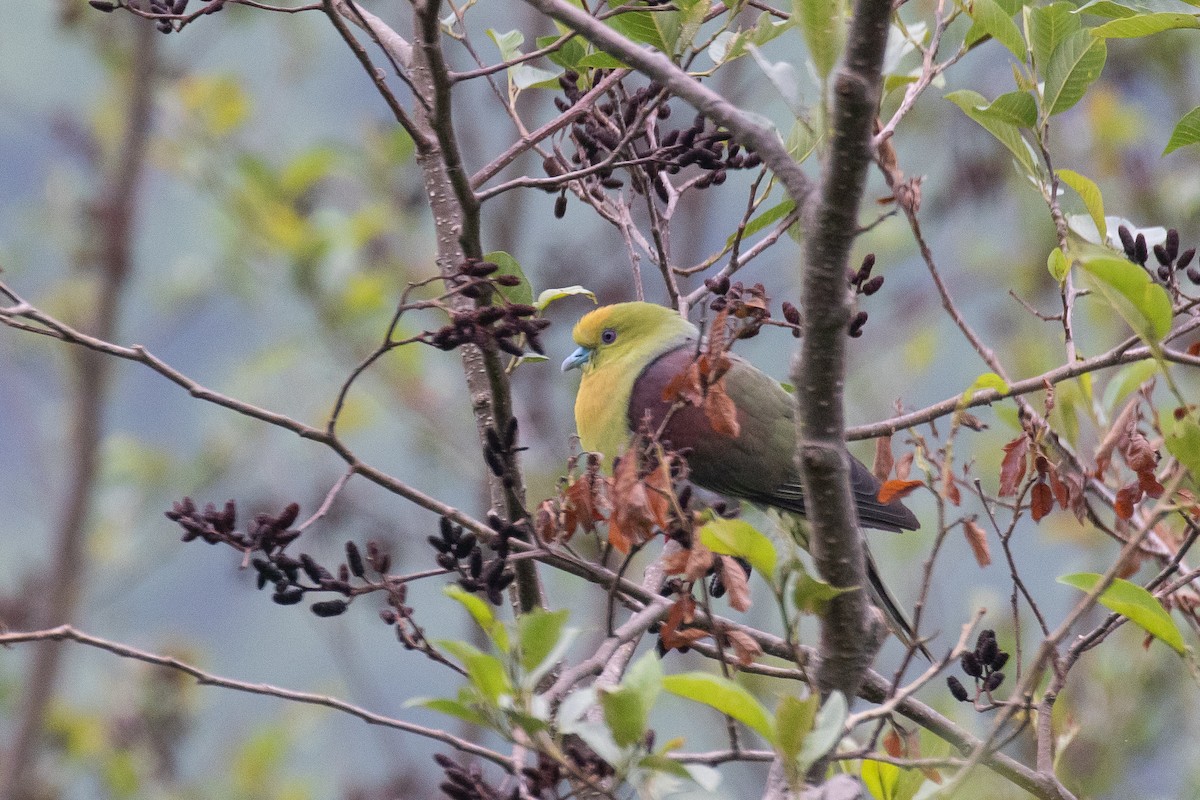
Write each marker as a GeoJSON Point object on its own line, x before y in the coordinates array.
{"type": "Point", "coordinates": [758, 465]}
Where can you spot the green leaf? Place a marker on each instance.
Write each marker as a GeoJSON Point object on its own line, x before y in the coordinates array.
{"type": "Point", "coordinates": [1132, 601]}
{"type": "Point", "coordinates": [975, 106]}
{"type": "Point", "coordinates": [1047, 27]}
{"type": "Point", "coordinates": [486, 672]}
{"type": "Point", "coordinates": [1074, 66]}
{"type": "Point", "coordinates": [640, 27]}
{"type": "Point", "coordinates": [481, 612]}
{"type": "Point", "coordinates": [1107, 9]}
{"type": "Point", "coordinates": [550, 295]}
{"type": "Point", "coordinates": [1087, 189]}
{"type": "Point", "coordinates": [452, 707]}
{"type": "Point", "coordinates": [793, 720]}
{"type": "Point", "coordinates": [601, 60]}
{"type": "Point", "coordinates": [568, 54]}
{"type": "Point", "coordinates": [783, 77]}
{"type": "Point", "coordinates": [824, 27]}
{"type": "Point", "coordinates": [1187, 131]}
{"type": "Point", "coordinates": [1183, 442]}
{"type": "Point", "coordinates": [988, 380]}
{"type": "Point", "coordinates": [992, 20]}
{"type": "Point", "coordinates": [735, 537]}
{"type": "Point", "coordinates": [1127, 379]}
{"type": "Point", "coordinates": [1145, 25]}
{"type": "Point", "coordinates": [766, 218]}
{"type": "Point", "coordinates": [522, 293]}
{"type": "Point", "coordinates": [524, 77]}
{"type": "Point", "coordinates": [812, 595]}
{"type": "Point", "coordinates": [1058, 265]}
{"type": "Point", "coordinates": [1018, 108]}
{"type": "Point", "coordinates": [889, 782]}
{"type": "Point", "coordinates": [827, 729]}
{"type": "Point", "coordinates": [508, 43]}
{"type": "Point", "coordinates": [1142, 303]}
{"type": "Point", "coordinates": [624, 714]}
{"type": "Point", "coordinates": [725, 696]}
{"type": "Point", "coordinates": [801, 142]}
{"type": "Point", "coordinates": [538, 633]}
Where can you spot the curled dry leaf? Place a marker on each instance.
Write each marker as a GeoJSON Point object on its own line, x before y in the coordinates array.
{"type": "Point", "coordinates": [745, 647]}
{"type": "Point", "coordinates": [950, 489]}
{"type": "Point", "coordinates": [1041, 501]}
{"type": "Point", "coordinates": [904, 466]}
{"type": "Point", "coordinates": [977, 539]}
{"type": "Point", "coordinates": [685, 387]}
{"type": "Point", "coordinates": [672, 634]}
{"type": "Point", "coordinates": [884, 460]}
{"type": "Point", "coordinates": [1127, 497]}
{"type": "Point", "coordinates": [896, 489]}
{"type": "Point", "coordinates": [1012, 466]}
{"type": "Point", "coordinates": [734, 578]}
{"type": "Point", "coordinates": [721, 412]}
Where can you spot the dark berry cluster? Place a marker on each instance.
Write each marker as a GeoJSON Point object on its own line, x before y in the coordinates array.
{"type": "Point", "coordinates": [459, 551]}
{"type": "Point", "coordinates": [865, 285]}
{"type": "Point", "coordinates": [984, 665]}
{"type": "Point", "coordinates": [746, 307]}
{"type": "Point", "coordinates": [626, 127]}
{"type": "Point", "coordinates": [500, 450]}
{"type": "Point", "coordinates": [173, 8]}
{"type": "Point", "coordinates": [1170, 261]}
{"type": "Point", "coordinates": [505, 324]}
{"type": "Point", "coordinates": [292, 577]}
{"type": "Point", "coordinates": [467, 783]}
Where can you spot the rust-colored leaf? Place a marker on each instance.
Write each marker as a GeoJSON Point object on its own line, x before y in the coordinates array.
{"type": "Point", "coordinates": [673, 635]}
{"type": "Point", "coordinates": [1130, 565]}
{"type": "Point", "coordinates": [1012, 467]}
{"type": "Point", "coordinates": [950, 489]}
{"type": "Point", "coordinates": [675, 560]}
{"type": "Point", "coordinates": [896, 489]}
{"type": "Point", "coordinates": [1149, 484]}
{"type": "Point", "coordinates": [1075, 499]}
{"type": "Point", "coordinates": [1041, 501]}
{"type": "Point", "coordinates": [1194, 349]}
{"type": "Point", "coordinates": [745, 647]}
{"type": "Point", "coordinates": [545, 522]}
{"type": "Point", "coordinates": [904, 466]}
{"type": "Point", "coordinates": [893, 745]}
{"type": "Point", "coordinates": [699, 562]}
{"type": "Point", "coordinates": [1059, 487]}
{"type": "Point", "coordinates": [736, 585]}
{"type": "Point", "coordinates": [685, 387]}
{"type": "Point", "coordinates": [632, 519]}
{"type": "Point", "coordinates": [977, 539]}
{"type": "Point", "coordinates": [1139, 454]}
{"type": "Point", "coordinates": [721, 412]}
{"type": "Point", "coordinates": [584, 504]}
{"type": "Point", "coordinates": [1127, 497]}
{"type": "Point", "coordinates": [658, 493]}
{"type": "Point", "coordinates": [884, 460]}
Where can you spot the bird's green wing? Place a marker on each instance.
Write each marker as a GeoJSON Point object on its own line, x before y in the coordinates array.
{"type": "Point", "coordinates": [757, 465]}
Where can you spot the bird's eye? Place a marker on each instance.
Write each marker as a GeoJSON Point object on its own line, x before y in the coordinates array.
{"type": "Point", "coordinates": [609, 336]}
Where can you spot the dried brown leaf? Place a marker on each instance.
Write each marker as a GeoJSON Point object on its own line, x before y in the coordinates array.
{"type": "Point", "coordinates": [700, 561]}
{"type": "Point", "coordinates": [950, 489]}
{"type": "Point", "coordinates": [673, 635]}
{"type": "Point", "coordinates": [734, 578]}
{"type": "Point", "coordinates": [1012, 466]}
{"type": "Point", "coordinates": [884, 460]}
{"type": "Point", "coordinates": [977, 539]}
{"type": "Point", "coordinates": [745, 647]}
{"type": "Point", "coordinates": [896, 489]}
{"type": "Point", "coordinates": [904, 466]}
{"type": "Point", "coordinates": [721, 412]}
{"type": "Point", "coordinates": [1127, 497]}
{"type": "Point", "coordinates": [1041, 501]}
{"type": "Point", "coordinates": [685, 387]}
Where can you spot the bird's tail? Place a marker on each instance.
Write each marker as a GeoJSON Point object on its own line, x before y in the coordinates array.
{"type": "Point", "coordinates": [896, 620]}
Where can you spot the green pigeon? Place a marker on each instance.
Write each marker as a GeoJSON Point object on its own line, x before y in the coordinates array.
{"type": "Point", "coordinates": [630, 352]}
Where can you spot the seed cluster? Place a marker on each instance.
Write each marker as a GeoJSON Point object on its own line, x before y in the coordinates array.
{"type": "Point", "coordinates": [503, 324]}
{"type": "Point", "coordinates": [467, 783]}
{"type": "Point", "coordinates": [984, 664]}
{"type": "Point", "coordinates": [291, 577]}
{"type": "Point", "coordinates": [627, 127]}
{"type": "Point", "coordinates": [459, 551]}
{"type": "Point", "coordinates": [1170, 261]}
{"type": "Point", "coordinates": [865, 285]}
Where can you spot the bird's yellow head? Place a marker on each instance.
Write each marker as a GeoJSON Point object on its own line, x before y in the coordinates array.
{"type": "Point", "coordinates": [628, 333]}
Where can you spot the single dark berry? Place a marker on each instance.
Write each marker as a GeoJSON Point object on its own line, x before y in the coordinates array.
{"type": "Point", "coordinates": [957, 689]}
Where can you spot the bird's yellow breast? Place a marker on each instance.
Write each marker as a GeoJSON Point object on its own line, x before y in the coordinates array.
{"type": "Point", "coordinates": [601, 408]}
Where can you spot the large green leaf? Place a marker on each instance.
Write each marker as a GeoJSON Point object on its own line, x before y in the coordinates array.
{"type": "Point", "coordinates": [992, 20]}
{"type": "Point", "coordinates": [824, 28]}
{"type": "Point", "coordinates": [793, 720]}
{"type": "Point", "coordinates": [1046, 27]}
{"type": "Point", "coordinates": [1145, 25]}
{"type": "Point", "coordinates": [1090, 193]}
{"type": "Point", "coordinates": [725, 696]}
{"type": "Point", "coordinates": [1187, 131]}
{"type": "Point", "coordinates": [640, 27]}
{"type": "Point", "coordinates": [1141, 302]}
{"type": "Point", "coordinates": [1019, 108]}
{"type": "Point", "coordinates": [735, 537]}
{"type": "Point", "coordinates": [485, 672]}
{"type": "Point", "coordinates": [522, 293]}
{"type": "Point", "coordinates": [481, 612]}
{"type": "Point", "coordinates": [1183, 442]}
{"type": "Point", "coordinates": [976, 106]}
{"type": "Point", "coordinates": [1074, 66]}
{"type": "Point", "coordinates": [1132, 601]}
{"type": "Point", "coordinates": [827, 729]}
{"type": "Point", "coordinates": [539, 632]}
